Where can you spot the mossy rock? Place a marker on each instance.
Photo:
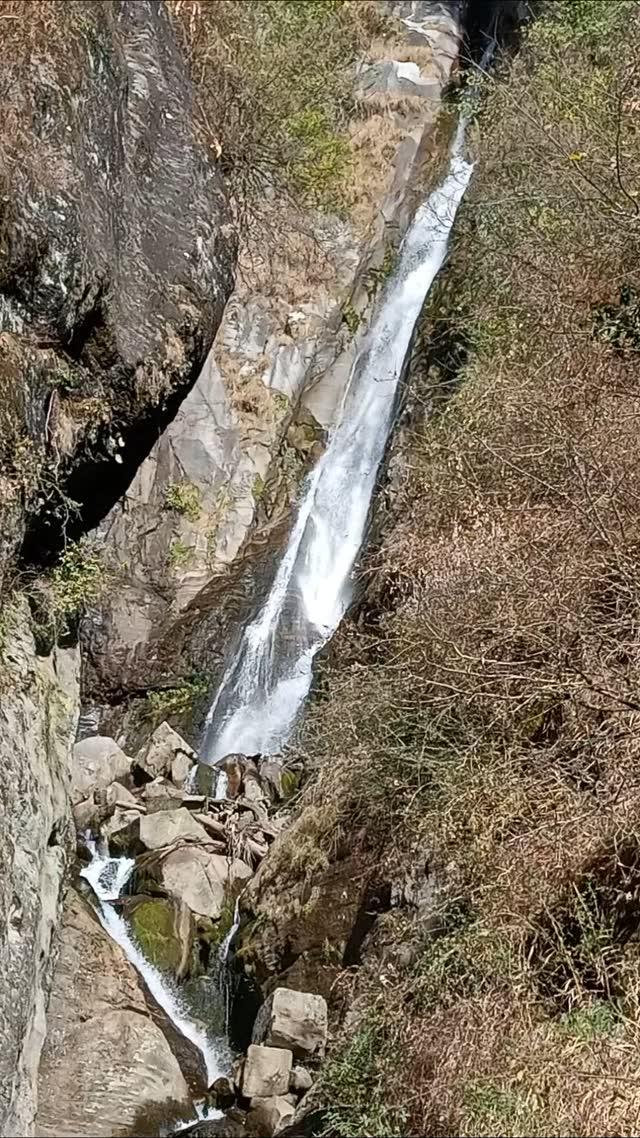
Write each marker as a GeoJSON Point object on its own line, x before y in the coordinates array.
{"type": "Point", "coordinates": [163, 931]}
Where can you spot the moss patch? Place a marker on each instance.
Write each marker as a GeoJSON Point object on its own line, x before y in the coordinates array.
{"type": "Point", "coordinates": [154, 927]}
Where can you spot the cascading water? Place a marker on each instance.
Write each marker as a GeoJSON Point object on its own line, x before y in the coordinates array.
{"type": "Point", "coordinates": [108, 877]}
{"type": "Point", "coordinates": [270, 676]}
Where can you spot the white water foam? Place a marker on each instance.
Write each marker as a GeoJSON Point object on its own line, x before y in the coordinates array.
{"type": "Point", "coordinates": [269, 678]}
{"type": "Point", "coordinates": [108, 876]}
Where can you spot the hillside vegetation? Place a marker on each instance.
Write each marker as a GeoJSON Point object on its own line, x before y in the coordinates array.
{"type": "Point", "coordinates": [484, 719]}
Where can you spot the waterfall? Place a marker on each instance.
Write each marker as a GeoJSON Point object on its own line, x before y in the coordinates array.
{"type": "Point", "coordinates": [268, 679]}
{"type": "Point", "coordinates": [108, 877]}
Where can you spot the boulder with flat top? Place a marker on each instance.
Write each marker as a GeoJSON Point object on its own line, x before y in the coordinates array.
{"type": "Point", "coordinates": [297, 1020]}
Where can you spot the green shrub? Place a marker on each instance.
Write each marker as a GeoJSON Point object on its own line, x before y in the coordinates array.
{"type": "Point", "coordinates": [275, 90]}
{"type": "Point", "coordinates": [494, 1109]}
{"type": "Point", "coordinates": [78, 580]}
{"type": "Point", "coordinates": [321, 165]}
{"type": "Point", "coordinates": [597, 1020]}
{"type": "Point", "coordinates": [179, 700]}
{"type": "Point", "coordinates": [183, 498]}
{"type": "Point", "coordinates": [180, 554]}
{"type": "Point", "coordinates": [353, 1082]}
{"type": "Point", "coordinates": [351, 317]}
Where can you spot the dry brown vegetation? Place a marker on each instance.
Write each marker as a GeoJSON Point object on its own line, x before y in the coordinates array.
{"type": "Point", "coordinates": [485, 711]}
{"type": "Point", "coordinates": [274, 87]}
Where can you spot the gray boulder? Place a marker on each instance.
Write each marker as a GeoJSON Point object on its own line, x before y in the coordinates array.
{"type": "Point", "coordinates": [165, 750]}
{"type": "Point", "coordinates": [104, 1060]}
{"type": "Point", "coordinates": [96, 763]}
{"type": "Point", "coordinates": [268, 1115]}
{"type": "Point", "coordinates": [266, 1072]}
{"type": "Point", "coordinates": [297, 1020]}
{"type": "Point", "coordinates": [201, 878]}
{"type": "Point", "coordinates": [300, 1080]}
{"type": "Point", "coordinates": [168, 826]}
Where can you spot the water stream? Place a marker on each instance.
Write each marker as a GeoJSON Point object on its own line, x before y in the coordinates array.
{"type": "Point", "coordinates": [108, 877]}
{"type": "Point", "coordinates": [269, 678]}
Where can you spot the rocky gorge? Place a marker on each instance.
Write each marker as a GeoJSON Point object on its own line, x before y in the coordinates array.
{"type": "Point", "coordinates": [172, 940]}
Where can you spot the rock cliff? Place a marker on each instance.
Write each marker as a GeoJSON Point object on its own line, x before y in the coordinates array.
{"type": "Point", "coordinates": [38, 716]}
{"type": "Point", "coordinates": [116, 260]}
{"type": "Point", "coordinates": [116, 257]}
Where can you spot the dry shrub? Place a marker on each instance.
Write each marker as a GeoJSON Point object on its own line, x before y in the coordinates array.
{"type": "Point", "coordinates": [485, 711]}
{"type": "Point", "coordinates": [274, 82]}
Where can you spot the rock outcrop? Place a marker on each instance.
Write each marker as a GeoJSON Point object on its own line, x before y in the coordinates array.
{"type": "Point", "coordinates": [105, 1064]}
{"type": "Point", "coordinates": [116, 255]}
{"type": "Point", "coordinates": [116, 262]}
{"type": "Point", "coordinates": [38, 715]}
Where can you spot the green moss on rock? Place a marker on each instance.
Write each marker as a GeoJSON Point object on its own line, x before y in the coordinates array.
{"type": "Point", "coordinates": [155, 927]}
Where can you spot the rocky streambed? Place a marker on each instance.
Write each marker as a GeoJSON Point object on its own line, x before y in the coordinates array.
{"type": "Point", "coordinates": [140, 1002]}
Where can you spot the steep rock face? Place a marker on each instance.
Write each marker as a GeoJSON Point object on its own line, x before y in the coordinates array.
{"type": "Point", "coordinates": [106, 1066]}
{"type": "Point", "coordinates": [38, 714]}
{"type": "Point", "coordinates": [116, 258]}
{"type": "Point", "coordinates": [221, 478]}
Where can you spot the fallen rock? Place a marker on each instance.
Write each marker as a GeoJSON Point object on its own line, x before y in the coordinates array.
{"type": "Point", "coordinates": [104, 1060]}
{"type": "Point", "coordinates": [165, 827]}
{"type": "Point", "coordinates": [271, 775]}
{"type": "Point", "coordinates": [180, 769]}
{"type": "Point", "coordinates": [297, 1020]}
{"type": "Point", "coordinates": [160, 794]}
{"type": "Point", "coordinates": [122, 832]}
{"type": "Point", "coordinates": [223, 1093]}
{"type": "Point", "coordinates": [212, 825]}
{"type": "Point", "coordinates": [234, 768]}
{"type": "Point", "coordinates": [96, 762]}
{"type": "Point", "coordinates": [163, 928]}
{"type": "Point", "coordinates": [156, 757]}
{"type": "Point", "coordinates": [266, 1072]}
{"type": "Point", "coordinates": [300, 1080]}
{"type": "Point", "coordinates": [201, 878]}
{"type": "Point", "coordinates": [268, 1115]}
{"type": "Point", "coordinates": [254, 791]}
{"type": "Point", "coordinates": [118, 795]}
{"type": "Point", "coordinates": [193, 801]}
{"type": "Point", "coordinates": [238, 872]}
{"type": "Point", "coordinates": [231, 1126]}
{"type": "Point", "coordinates": [90, 815]}
{"type": "Point", "coordinates": [204, 779]}
{"type": "Point", "coordinates": [309, 1118]}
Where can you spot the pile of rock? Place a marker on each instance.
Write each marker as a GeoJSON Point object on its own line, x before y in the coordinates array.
{"type": "Point", "coordinates": [193, 852]}
{"type": "Point", "coordinates": [193, 855]}
{"type": "Point", "coordinates": [272, 1083]}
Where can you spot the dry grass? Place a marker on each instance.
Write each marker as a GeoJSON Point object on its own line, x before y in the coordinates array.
{"type": "Point", "coordinates": [484, 716]}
